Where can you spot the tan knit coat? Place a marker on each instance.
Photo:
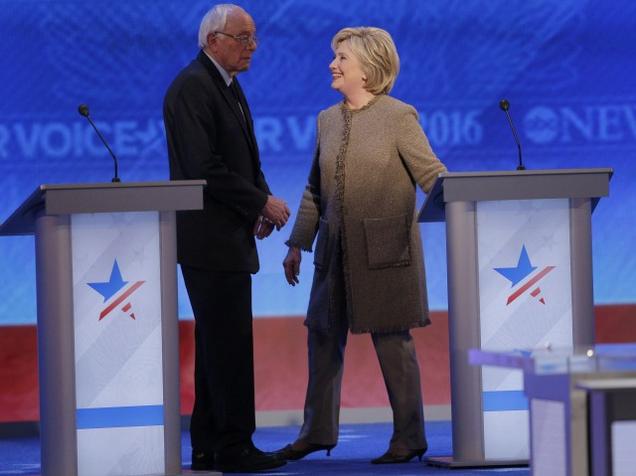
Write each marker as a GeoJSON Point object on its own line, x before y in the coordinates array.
{"type": "Point", "coordinates": [361, 194]}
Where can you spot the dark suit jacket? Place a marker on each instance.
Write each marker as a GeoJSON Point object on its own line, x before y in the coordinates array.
{"type": "Point", "coordinates": [209, 139]}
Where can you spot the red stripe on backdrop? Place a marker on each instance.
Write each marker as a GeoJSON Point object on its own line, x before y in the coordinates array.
{"type": "Point", "coordinates": [615, 323]}
{"type": "Point", "coordinates": [280, 356]}
{"type": "Point", "coordinates": [280, 365]}
{"type": "Point", "coordinates": [18, 374]}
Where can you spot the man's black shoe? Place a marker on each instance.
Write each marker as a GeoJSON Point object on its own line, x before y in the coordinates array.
{"type": "Point", "coordinates": [247, 460]}
{"type": "Point", "coordinates": [202, 461]}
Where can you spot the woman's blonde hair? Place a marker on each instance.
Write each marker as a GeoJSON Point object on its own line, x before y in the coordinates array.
{"type": "Point", "coordinates": [376, 52]}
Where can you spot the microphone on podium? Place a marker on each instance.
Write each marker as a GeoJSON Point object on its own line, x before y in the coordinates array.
{"type": "Point", "coordinates": [504, 105]}
{"type": "Point", "coordinates": [83, 110]}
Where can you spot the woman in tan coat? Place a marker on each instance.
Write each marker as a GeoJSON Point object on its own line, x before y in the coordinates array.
{"type": "Point", "coordinates": [369, 271]}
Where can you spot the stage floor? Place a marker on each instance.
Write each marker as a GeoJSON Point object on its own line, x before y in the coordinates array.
{"type": "Point", "coordinates": [357, 445]}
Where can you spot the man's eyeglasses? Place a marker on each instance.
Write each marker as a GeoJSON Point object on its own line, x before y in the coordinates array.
{"type": "Point", "coordinates": [245, 40]}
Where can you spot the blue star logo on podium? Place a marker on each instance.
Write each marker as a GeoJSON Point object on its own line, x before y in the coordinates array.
{"type": "Point", "coordinates": [519, 273]}
{"type": "Point", "coordinates": [115, 284]}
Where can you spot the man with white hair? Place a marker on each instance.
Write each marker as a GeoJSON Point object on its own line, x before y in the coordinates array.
{"type": "Point", "coordinates": [210, 136]}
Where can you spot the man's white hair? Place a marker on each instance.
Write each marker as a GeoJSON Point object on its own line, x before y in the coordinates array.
{"type": "Point", "coordinates": [215, 20]}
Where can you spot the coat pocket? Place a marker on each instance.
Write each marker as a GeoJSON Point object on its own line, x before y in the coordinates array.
{"type": "Point", "coordinates": [321, 252]}
{"type": "Point", "coordinates": [388, 241]}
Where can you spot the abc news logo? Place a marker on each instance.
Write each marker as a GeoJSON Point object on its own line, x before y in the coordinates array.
{"type": "Point", "coordinates": [572, 124]}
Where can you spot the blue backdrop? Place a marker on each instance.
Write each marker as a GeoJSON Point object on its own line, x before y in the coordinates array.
{"type": "Point", "coordinates": [567, 67]}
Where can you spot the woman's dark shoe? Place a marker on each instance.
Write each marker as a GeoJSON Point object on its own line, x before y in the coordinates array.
{"type": "Point", "coordinates": [391, 457]}
{"type": "Point", "coordinates": [290, 454]}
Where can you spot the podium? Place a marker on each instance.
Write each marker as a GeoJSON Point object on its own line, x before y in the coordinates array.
{"type": "Point", "coordinates": [519, 254]}
{"type": "Point", "coordinates": [108, 349]}
{"type": "Point", "coordinates": [582, 414]}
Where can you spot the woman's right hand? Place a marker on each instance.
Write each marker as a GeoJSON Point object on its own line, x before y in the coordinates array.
{"type": "Point", "coordinates": [291, 263]}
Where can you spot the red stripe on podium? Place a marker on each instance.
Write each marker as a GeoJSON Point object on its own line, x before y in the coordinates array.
{"type": "Point", "coordinates": [529, 284]}
{"type": "Point", "coordinates": [120, 299]}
